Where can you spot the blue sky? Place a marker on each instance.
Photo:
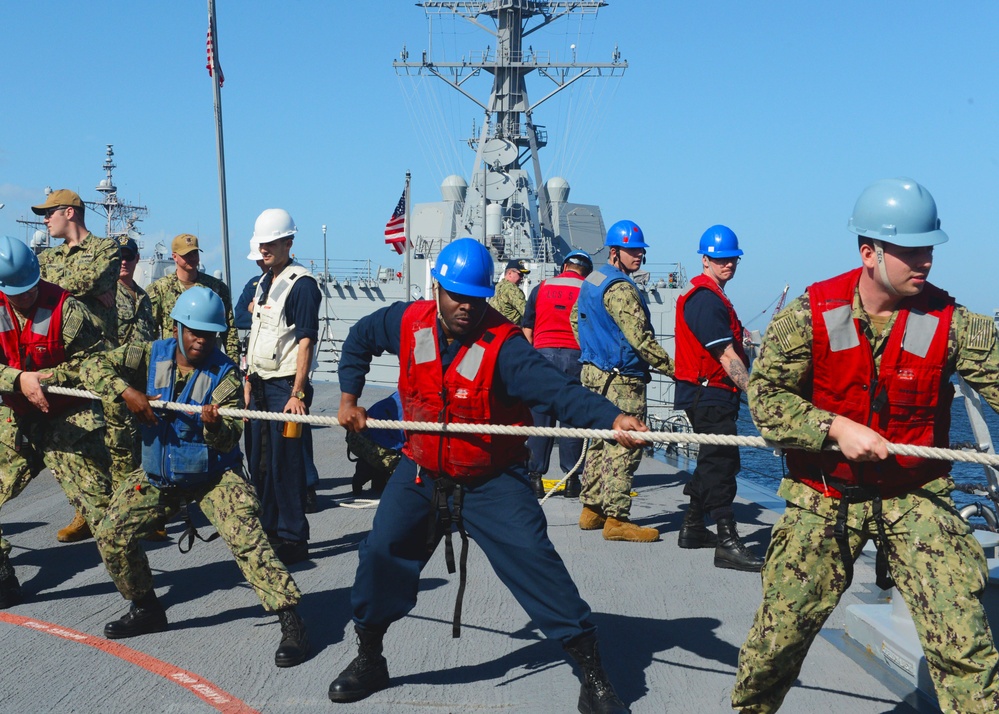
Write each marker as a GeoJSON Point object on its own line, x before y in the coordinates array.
{"type": "Point", "coordinates": [770, 117]}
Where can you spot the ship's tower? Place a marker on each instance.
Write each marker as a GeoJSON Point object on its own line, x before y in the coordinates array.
{"type": "Point", "coordinates": [503, 206]}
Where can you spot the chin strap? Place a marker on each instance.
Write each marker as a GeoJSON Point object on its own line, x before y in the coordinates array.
{"type": "Point", "coordinates": [180, 340]}
{"type": "Point", "coordinates": [435, 289]}
{"type": "Point", "coordinates": [879, 252]}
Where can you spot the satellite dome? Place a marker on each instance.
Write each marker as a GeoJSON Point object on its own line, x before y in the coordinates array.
{"type": "Point", "coordinates": [454, 188]}
{"type": "Point", "coordinates": [558, 189]}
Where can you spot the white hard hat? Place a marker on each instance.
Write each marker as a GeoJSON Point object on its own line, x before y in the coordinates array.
{"type": "Point", "coordinates": [254, 253]}
{"type": "Point", "coordinates": [272, 224]}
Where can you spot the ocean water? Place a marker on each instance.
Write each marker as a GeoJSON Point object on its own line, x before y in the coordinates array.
{"type": "Point", "coordinates": [763, 468]}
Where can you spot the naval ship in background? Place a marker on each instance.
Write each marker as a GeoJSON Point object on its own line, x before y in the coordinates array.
{"type": "Point", "coordinates": [120, 218]}
{"type": "Point", "coordinates": [507, 205]}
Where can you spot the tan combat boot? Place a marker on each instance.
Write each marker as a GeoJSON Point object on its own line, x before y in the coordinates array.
{"type": "Point", "coordinates": [591, 519]}
{"type": "Point", "coordinates": [77, 530]}
{"type": "Point", "coordinates": [615, 529]}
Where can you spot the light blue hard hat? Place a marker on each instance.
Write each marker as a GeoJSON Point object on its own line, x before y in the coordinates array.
{"type": "Point", "coordinates": [19, 270]}
{"type": "Point", "coordinates": [897, 211]}
{"type": "Point", "coordinates": [719, 242]}
{"type": "Point", "coordinates": [625, 234]}
{"type": "Point", "coordinates": [199, 308]}
{"type": "Point", "coordinates": [465, 267]}
{"type": "Point", "coordinates": [578, 257]}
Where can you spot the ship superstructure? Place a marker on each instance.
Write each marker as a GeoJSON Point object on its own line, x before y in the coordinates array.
{"type": "Point", "coordinates": [120, 219]}
{"type": "Point", "coordinates": [506, 204]}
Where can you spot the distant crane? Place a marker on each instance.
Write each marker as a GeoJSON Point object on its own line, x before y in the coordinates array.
{"type": "Point", "coordinates": [780, 302]}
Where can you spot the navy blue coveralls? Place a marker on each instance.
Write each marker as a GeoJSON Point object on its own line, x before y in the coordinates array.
{"type": "Point", "coordinates": [501, 514]}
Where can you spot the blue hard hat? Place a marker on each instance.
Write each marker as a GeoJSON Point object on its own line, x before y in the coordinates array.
{"type": "Point", "coordinates": [579, 257]}
{"type": "Point", "coordinates": [897, 211]}
{"type": "Point", "coordinates": [465, 267]}
{"type": "Point", "coordinates": [199, 308]}
{"type": "Point", "coordinates": [625, 234]}
{"type": "Point", "coordinates": [19, 270]}
{"type": "Point", "coordinates": [719, 242]}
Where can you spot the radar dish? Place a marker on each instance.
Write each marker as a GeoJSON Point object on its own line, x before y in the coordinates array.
{"type": "Point", "coordinates": [499, 186]}
{"type": "Point", "coordinates": [502, 151]}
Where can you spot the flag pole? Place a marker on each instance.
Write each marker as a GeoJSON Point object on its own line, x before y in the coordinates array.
{"type": "Point", "coordinates": [406, 263]}
{"type": "Point", "coordinates": [220, 144]}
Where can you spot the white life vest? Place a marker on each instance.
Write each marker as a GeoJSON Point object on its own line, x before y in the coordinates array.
{"type": "Point", "coordinates": [272, 350]}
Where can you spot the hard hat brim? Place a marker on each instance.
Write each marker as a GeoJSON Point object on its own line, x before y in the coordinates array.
{"type": "Point", "coordinates": [451, 286]}
{"type": "Point", "coordinates": [722, 253]}
{"type": "Point", "coordinates": [202, 326]}
{"type": "Point", "coordinates": [906, 240]}
{"type": "Point", "coordinates": [18, 290]}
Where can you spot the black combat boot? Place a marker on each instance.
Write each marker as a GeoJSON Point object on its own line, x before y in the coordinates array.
{"type": "Point", "coordinates": [366, 674]}
{"type": "Point", "coordinates": [572, 487]}
{"type": "Point", "coordinates": [10, 589]}
{"type": "Point", "coordinates": [537, 484]}
{"type": "Point", "coordinates": [144, 616]}
{"type": "Point", "coordinates": [294, 647]}
{"type": "Point", "coordinates": [597, 695]}
{"type": "Point", "coordinates": [693, 532]}
{"type": "Point", "coordinates": [730, 551]}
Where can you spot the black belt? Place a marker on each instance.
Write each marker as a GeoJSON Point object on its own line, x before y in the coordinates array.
{"type": "Point", "coordinates": [851, 493]}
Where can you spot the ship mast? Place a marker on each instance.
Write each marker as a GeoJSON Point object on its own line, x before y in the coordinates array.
{"type": "Point", "coordinates": [120, 218]}
{"type": "Point", "coordinates": [501, 204]}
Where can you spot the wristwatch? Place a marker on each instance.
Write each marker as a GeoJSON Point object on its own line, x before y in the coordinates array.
{"type": "Point", "coordinates": [299, 395]}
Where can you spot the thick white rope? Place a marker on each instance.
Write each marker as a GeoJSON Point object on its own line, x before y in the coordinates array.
{"type": "Point", "coordinates": [653, 437]}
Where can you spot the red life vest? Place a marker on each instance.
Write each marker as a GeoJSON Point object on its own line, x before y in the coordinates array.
{"type": "Point", "coordinates": [554, 302]}
{"type": "Point", "coordinates": [694, 363]}
{"type": "Point", "coordinates": [908, 400]}
{"type": "Point", "coordinates": [462, 395]}
{"type": "Point", "coordinates": [35, 346]}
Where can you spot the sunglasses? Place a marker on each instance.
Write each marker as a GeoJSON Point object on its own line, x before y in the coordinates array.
{"type": "Point", "coordinates": [128, 257]}
{"type": "Point", "coordinates": [52, 211]}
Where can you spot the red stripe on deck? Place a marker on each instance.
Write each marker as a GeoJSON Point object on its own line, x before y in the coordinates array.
{"type": "Point", "coordinates": [203, 689]}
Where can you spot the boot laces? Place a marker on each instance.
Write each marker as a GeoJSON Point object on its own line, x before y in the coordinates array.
{"type": "Point", "coordinates": [292, 627]}
{"type": "Point", "coordinates": [601, 688]}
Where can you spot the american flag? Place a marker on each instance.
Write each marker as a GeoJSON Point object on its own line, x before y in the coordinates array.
{"type": "Point", "coordinates": [395, 229]}
{"type": "Point", "coordinates": [210, 63]}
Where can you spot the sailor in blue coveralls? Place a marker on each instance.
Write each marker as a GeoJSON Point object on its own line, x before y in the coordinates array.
{"type": "Point", "coordinates": [460, 361]}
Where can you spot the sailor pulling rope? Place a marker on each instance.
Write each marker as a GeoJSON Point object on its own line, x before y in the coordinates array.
{"type": "Point", "coordinates": [926, 452]}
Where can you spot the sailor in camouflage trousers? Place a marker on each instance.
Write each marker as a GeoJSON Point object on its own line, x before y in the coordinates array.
{"type": "Point", "coordinates": [618, 348]}
{"type": "Point", "coordinates": [164, 292]}
{"type": "Point", "coordinates": [135, 324]}
{"type": "Point", "coordinates": [38, 321]}
{"type": "Point", "coordinates": [190, 369]}
{"type": "Point", "coordinates": [885, 310]}
{"type": "Point", "coordinates": [87, 266]}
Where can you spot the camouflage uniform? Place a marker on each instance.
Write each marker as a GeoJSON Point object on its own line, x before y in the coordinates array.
{"type": "Point", "coordinates": [124, 440]}
{"type": "Point", "coordinates": [510, 301]}
{"type": "Point", "coordinates": [937, 564]}
{"type": "Point", "coordinates": [373, 453]}
{"type": "Point", "coordinates": [87, 271]}
{"type": "Point", "coordinates": [70, 444]}
{"type": "Point", "coordinates": [610, 467]}
{"type": "Point", "coordinates": [139, 508]}
{"type": "Point", "coordinates": [135, 316]}
{"type": "Point", "coordinates": [164, 293]}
